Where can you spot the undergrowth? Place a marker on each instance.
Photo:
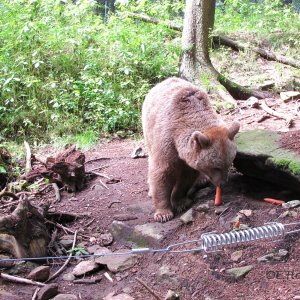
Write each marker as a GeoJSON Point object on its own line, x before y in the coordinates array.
{"type": "Point", "coordinates": [66, 71]}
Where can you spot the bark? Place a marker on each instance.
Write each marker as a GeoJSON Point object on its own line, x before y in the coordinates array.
{"type": "Point", "coordinates": [23, 233]}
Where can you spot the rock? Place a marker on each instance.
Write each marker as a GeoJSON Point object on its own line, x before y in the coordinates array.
{"type": "Point", "coordinates": [266, 85]}
{"type": "Point", "coordinates": [166, 275]}
{"type": "Point", "coordinates": [266, 258]}
{"type": "Point", "coordinates": [96, 248]}
{"type": "Point", "coordinates": [106, 239]}
{"type": "Point", "coordinates": [203, 207]}
{"type": "Point", "coordinates": [152, 234]}
{"type": "Point", "coordinates": [291, 204]}
{"type": "Point", "coordinates": [239, 272]}
{"type": "Point", "coordinates": [290, 95]}
{"type": "Point", "coordinates": [220, 209]}
{"type": "Point", "coordinates": [67, 244]}
{"type": "Point", "coordinates": [275, 256]}
{"type": "Point", "coordinates": [138, 153]}
{"type": "Point", "coordinates": [122, 296]}
{"type": "Point", "coordinates": [236, 255]}
{"type": "Point", "coordinates": [120, 230]}
{"type": "Point", "coordinates": [88, 280]}
{"type": "Point", "coordinates": [246, 212]}
{"type": "Point", "coordinates": [68, 277]}
{"type": "Point", "coordinates": [65, 297]}
{"type": "Point", "coordinates": [253, 102]}
{"type": "Point", "coordinates": [171, 295]}
{"type": "Point", "coordinates": [39, 274]}
{"type": "Point", "coordinates": [22, 267]}
{"type": "Point", "coordinates": [202, 193]}
{"type": "Point", "coordinates": [84, 267]}
{"type": "Point", "coordinates": [5, 264]}
{"type": "Point", "coordinates": [260, 155]}
{"type": "Point", "coordinates": [48, 291]}
{"type": "Point", "coordinates": [188, 217]}
{"type": "Point", "coordinates": [284, 214]}
{"type": "Point", "coordinates": [117, 263]}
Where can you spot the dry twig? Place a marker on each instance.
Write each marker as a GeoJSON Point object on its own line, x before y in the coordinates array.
{"type": "Point", "coordinates": [151, 291]}
{"type": "Point", "coordinates": [20, 279]}
{"type": "Point", "coordinates": [57, 193]}
{"type": "Point", "coordinates": [66, 262]}
{"type": "Point", "coordinates": [34, 296]}
{"type": "Point", "coordinates": [28, 157]}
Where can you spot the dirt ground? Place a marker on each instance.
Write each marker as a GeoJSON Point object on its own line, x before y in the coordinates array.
{"type": "Point", "coordinates": [199, 275]}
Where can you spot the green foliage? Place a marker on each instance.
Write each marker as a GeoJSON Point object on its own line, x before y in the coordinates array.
{"type": "Point", "coordinates": [2, 169]}
{"type": "Point", "coordinates": [64, 71]}
{"type": "Point", "coordinates": [78, 250]}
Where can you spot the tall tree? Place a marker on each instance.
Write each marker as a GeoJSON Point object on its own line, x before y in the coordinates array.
{"type": "Point", "coordinates": [196, 65]}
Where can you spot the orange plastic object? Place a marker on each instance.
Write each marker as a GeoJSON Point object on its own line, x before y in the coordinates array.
{"type": "Point", "coordinates": [218, 196]}
{"type": "Point", "coordinates": [274, 201]}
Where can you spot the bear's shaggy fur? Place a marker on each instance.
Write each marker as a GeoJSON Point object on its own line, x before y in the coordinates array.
{"type": "Point", "coordinates": [186, 141]}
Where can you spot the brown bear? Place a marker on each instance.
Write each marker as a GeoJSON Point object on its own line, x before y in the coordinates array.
{"type": "Point", "coordinates": [187, 141]}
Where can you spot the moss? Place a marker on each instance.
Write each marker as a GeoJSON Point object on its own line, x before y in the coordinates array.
{"type": "Point", "coordinates": [290, 165]}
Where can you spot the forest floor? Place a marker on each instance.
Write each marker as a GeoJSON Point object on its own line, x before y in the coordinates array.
{"type": "Point", "coordinates": [192, 275]}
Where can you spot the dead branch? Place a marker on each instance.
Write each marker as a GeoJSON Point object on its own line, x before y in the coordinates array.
{"type": "Point", "coordinates": [57, 192]}
{"type": "Point", "coordinates": [267, 54]}
{"type": "Point", "coordinates": [151, 291]}
{"type": "Point", "coordinates": [28, 157]}
{"type": "Point", "coordinates": [20, 279]}
{"type": "Point", "coordinates": [274, 113]}
{"type": "Point", "coordinates": [66, 262]}
{"type": "Point", "coordinates": [100, 174]}
{"type": "Point", "coordinates": [152, 20]}
{"type": "Point", "coordinates": [34, 296]}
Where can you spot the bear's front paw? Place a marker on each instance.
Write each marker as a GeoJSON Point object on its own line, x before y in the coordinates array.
{"type": "Point", "coordinates": [163, 215]}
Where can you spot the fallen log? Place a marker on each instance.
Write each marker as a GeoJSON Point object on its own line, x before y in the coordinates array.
{"type": "Point", "coordinates": [265, 53]}
{"type": "Point", "coordinates": [223, 40]}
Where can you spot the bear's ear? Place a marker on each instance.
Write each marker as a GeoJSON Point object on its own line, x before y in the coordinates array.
{"type": "Point", "coordinates": [233, 129]}
{"type": "Point", "coordinates": [200, 140]}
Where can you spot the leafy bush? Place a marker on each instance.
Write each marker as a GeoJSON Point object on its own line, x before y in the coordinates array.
{"type": "Point", "coordinates": [64, 71]}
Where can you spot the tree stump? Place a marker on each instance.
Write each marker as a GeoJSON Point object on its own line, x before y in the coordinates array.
{"type": "Point", "coordinates": [23, 233]}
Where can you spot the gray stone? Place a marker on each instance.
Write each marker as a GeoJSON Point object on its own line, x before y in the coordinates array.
{"type": "Point", "coordinates": [22, 267]}
{"type": "Point", "coordinates": [138, 153]}
{"type": "Point", "coordinates": [171, 295]}
{"type": "Point", "coordinates": [84, 267]}
{"type": "Point", "coordinates": [236, 255]}
{"type": "Point", "coordinates": [291, 204]}
{"type": "Point", "coordinates": [282, 253]}
{"type": "Point", "coordinates": [106, 239]}
{"type": "Point", "coordinates": [166, 275]}
{"type": "Point", "coordinates": [275, 256]}
{"type": "Point", "coordinates": [203, 207]}
{"type": "Point", "coordinates": [188, 217]}
{"type": "Point", "coordinates": [40, 273]}
{"type": "Point", "coordinates": [239, 272]}
{"type": "Point", "coordinates": [266, 258]}
{"type": "Point", "coordinates": [88, 280]}
{"type": "Point", "coordinates": [48, 291]}
{"type": "Point", "coordinates": [67, 244]}
{"type": "Point", "coordinates": [246, 212]}
{"type": "Point", "coordinates": [65, 297]}
{"type": "Point", "coordinates": [152, 234]}
{"type": "Point", "coordinates": [117, 263]}
{"type": "Point", "coordinates": [290, 95]}
{"type": "Point", "coordinates": [266, 85]}
{"type": "Point", "coordinates": [5, 264]}
{"type": "Point", "coordinates": [68, 277]}
{"type": "Point", "coordinates": [96, 248]}
{"type": "Point", "coordinates": [253, 102]}
{"type": "Point", "coordinates": [260, 155]}
{"type": "Point", "coordinates": [120, 230]}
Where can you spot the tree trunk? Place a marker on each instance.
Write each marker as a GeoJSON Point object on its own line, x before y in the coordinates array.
{"type": "Point", "coordinates": [196, 65]}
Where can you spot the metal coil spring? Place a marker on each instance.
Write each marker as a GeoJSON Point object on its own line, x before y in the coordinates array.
{"type": "Point", "coordinates": [213, 241]}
